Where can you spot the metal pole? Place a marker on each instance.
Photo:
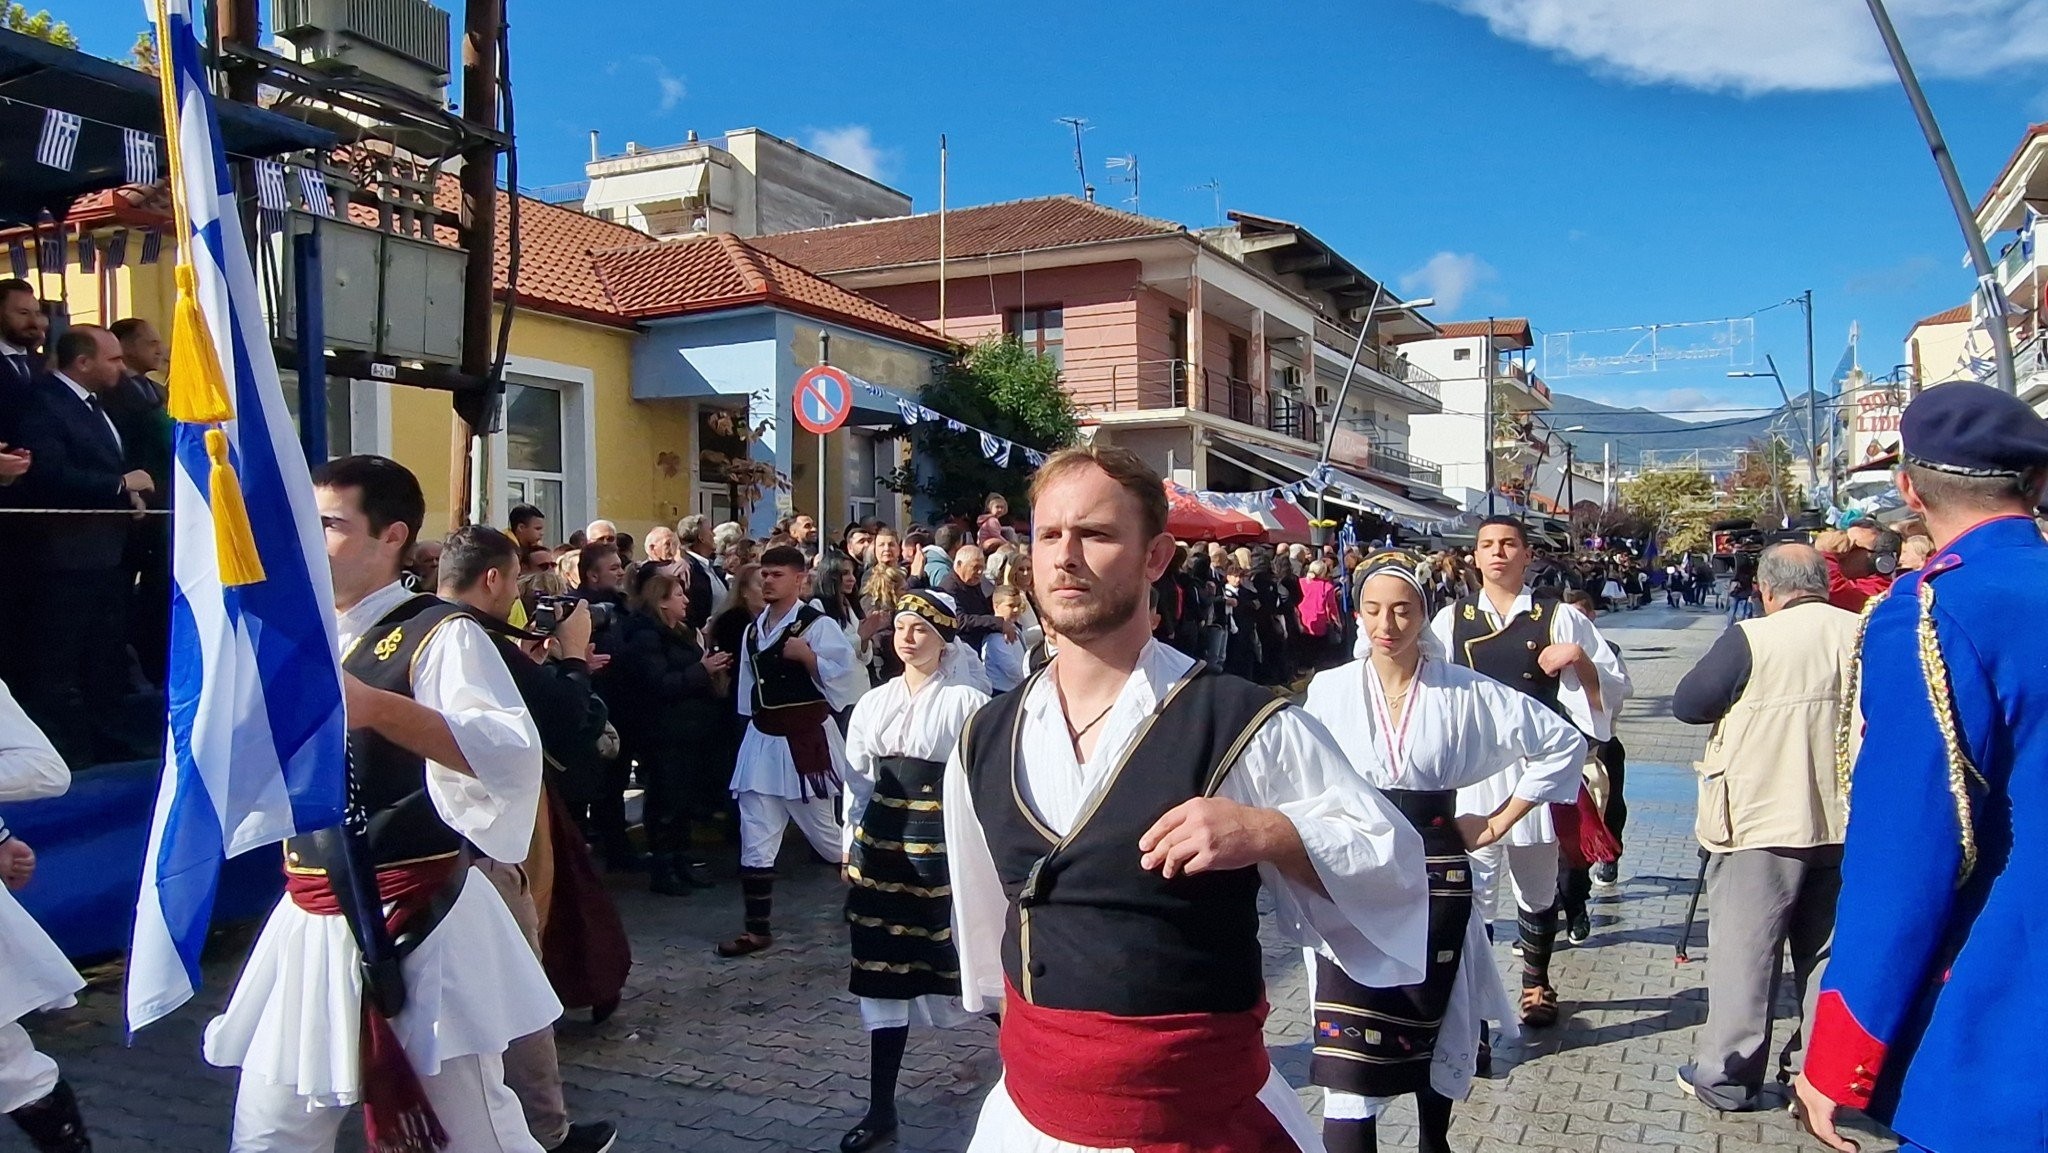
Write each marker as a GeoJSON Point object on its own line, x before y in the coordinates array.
{"type": "Point", "coordinates": [821, 483]}
{"type": "Point", "coordinates": [942, 234]}
{"type": "Point", "coordinates": [1344, 386]}
{"type": "Point", "coordinates": [1980, 257]}
{"type": "Point", "coordinates": [479, 180]}
{"type": "Point", "coordinates": [1486, 434]}
{"type": "Point", "coordinates": [1812, 466]}
{"type": "Point", "coordinates": [311, 337]}
{"type": "Point", "coordinates": [1812, 416]}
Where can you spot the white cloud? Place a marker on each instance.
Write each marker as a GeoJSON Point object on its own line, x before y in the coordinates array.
{"type": "Point", "coordinates": [1449, 277]}
{"type": "Point", "coordinates": [668, 84]}
{"type": "Point", "coordinates": [1755, 46]}
{"type": "Point", "coordinates": [854, 146]}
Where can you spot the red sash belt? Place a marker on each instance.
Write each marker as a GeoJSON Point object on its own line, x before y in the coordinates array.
{"type": "Point", "coordinates": [1186, 1083]}
{"type": "Point", "coordinates": [397, 1117]}
{"type": "Point", "coordinates": [803, 726]}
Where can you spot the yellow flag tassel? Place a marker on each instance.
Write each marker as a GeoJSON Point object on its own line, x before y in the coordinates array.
{"type": "Point", "coordinates": [233, 540]}
{"type": "Point", "coordinates": [198, 390]}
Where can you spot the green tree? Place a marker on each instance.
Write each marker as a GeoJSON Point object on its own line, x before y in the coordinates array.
{"type": "Point", "coordinates": [1001, 387]}
{"type": "Point", "coordinates": [1761, 487]}
{"type": "Point", "coordinates": [41, 25]}
{"type": "Point", "coordinates": [1679, 502]}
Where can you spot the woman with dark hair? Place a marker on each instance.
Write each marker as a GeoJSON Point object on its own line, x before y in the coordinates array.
{"type": "Point", "coordinates": [670, 693]}
{"type": "Point", "coordinates": [835, 589]}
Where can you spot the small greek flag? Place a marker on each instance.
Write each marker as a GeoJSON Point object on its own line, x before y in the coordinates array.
{"type": "Point", "coordinates": [911, 410]}
{"type": "Point", "coordinates": [59, 145]}
{"type": "Point", "coordinates": [152, 245]}
{"type": "Point", "coordinates": [955, 425]}
{"type": "Point", "coordinates": [1992, 298]}
{"type": "Point", "coordinates": [86, 255]}
{"type": "Point", "coordinates": [313, 190]}
{"type": "Point", "coordinates": [50, 252]}
{"type": "Point", "coordinates": [1033, 457]}
{"type": "Point", "coordinates": [138, 154]}
{"type": "Point", "coordinates": [271, 197]}
{"type": "Point", "coordinates": [117, 248]}
{"type": "Point", "coordinates": [17, 256]}
{"type": "Point", "coordinates": [996, 449]}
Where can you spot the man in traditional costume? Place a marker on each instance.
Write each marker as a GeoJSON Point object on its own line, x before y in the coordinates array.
{"type": "Point", "coordinates": [1550, 651]}
{"type": "Point", "coordinates": [899, 906]}
{"type": "Point", "coordinates": [792, 758]}
{"type": "Point", "coordinates": [409, 1013]}
{"type": "Point", "coordinates": [1109, 825]}
{"type": "Point", "coordinates": [1418, 729]}
{"type": "Point", "coordinates": [32, 1091]}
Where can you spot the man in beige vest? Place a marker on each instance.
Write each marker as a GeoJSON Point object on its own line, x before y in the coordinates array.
{"type": "Point", "coordinates": [1770, 816]}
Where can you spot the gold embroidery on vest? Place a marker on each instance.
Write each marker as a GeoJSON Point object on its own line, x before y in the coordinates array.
{"type": "Point", "coordinates": [389, 645]}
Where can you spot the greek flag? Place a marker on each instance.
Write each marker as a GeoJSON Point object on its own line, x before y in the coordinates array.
{"type": "Point", "coordinates": [86, 256]}
{"type": "Point", "coordinates": [256, 750]}
{"type": "Point", "coordinates": [271, 198]}
{"type": "Point", "coordinates": [152, 245]}
{"type": "Point", "coordinates": [17, 258]}
{"type": "Point", "coordinates": [138, 155]}
{"type": "Point", "coordinates": [996, 449]}
{"type": "Point", "coordinates": [117, 248]}
{"type": "Point", "coordinates": [313, 190]}
{"type": "Point", "coordinates": [59, 145]}
{"type": "Point", "coordinates": [911, 410]}
{"type": "Point", "coordinates": [50, 252]}
{"type": "Point", "coordinates": [1033, 457]}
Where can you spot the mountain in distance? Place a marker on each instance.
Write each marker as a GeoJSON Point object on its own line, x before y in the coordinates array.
{"type": "Point", "coordinates": [1632, 430]}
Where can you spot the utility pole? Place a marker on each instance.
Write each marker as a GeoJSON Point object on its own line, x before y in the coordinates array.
{"type": "Point", "coordinates": [1812, 427]}
{"type": "Point", "coordinates": [482, 20]}
{"type": "Point", "coordinates": [942, 234]}
{"type": "Point", "coordinates": [1486, 434]}
{"type": "Point", "coordinates": [1980, 256]}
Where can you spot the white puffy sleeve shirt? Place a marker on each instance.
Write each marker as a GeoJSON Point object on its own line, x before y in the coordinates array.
{"type": "Point", "coordinates": [1374, 920]}
{"type": "Point", "coordinates": [891, 721]}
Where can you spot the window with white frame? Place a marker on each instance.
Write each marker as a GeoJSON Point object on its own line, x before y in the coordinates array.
{"type": "Point", "coordinates": [534, 450]}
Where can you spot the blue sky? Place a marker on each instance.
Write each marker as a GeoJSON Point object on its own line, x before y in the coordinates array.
{"type": "Point", "coordinates": [1586, 163]}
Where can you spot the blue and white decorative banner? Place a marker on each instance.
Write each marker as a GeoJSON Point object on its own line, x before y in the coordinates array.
{"type": "Point", "coordinates": [257, 747]}
{"type": "Point", "coordinates": [272, 198]}
{"type": "Point", "coordinates": [911, 410]}
{"type": "Point", "coordinates": [138, 156]}
{"type": "Point", "coordinates": [17, 257]}
{"type": "Point", "coordinates": [86, 253]}
{"type": "Point", "coordinates": [50, 252]}
{"type": "Point", "coordinates": [1033, 457]}
{"type": "Point", "coordinates": [117, 248]}
{"type": "Point", "coordinates": [954, 425]}
{"type": "Point", "coordinates": [152, 245]}
{"type": "Point", "coordinates": [313, 190]}
{"type": "Point", "coordinates": [59, 144]}
{"type": "Point", "coordinates": [996, 449]}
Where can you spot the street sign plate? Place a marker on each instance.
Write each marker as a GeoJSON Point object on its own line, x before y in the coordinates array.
{"type": "Point", "coordinates": [822, 398]}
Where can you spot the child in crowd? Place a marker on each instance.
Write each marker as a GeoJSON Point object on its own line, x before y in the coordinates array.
{"type": "Point", "coordinates": [1005, 659]}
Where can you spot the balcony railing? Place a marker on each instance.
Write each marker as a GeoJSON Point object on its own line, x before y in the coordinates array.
{"type": "Point", "coordinates": [1404, 372]}
{"type": "Point", "coordinates": [1153, 384]}
{"type": "Point", "coordinates": [2013, 263]}
{"type": "Point", "coordinates": [1394, 462]}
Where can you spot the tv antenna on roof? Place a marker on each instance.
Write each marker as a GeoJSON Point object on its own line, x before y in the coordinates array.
{"type": "Point", "coordinates": [1080, 125]}
{"type": "Point", "coordinates": [1214, 187]}
{"type": "Point", "coordinates": [1129, 164]}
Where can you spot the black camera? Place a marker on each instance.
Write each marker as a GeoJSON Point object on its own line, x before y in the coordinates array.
{"type": "Point", "coordinates": [550, 611]}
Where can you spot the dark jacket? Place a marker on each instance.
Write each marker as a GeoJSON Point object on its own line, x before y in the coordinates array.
{"type": "Point", "coordinates": [662, 696]}
{"type": "Point", "coordinates": [79, 463]}
{"type": "Point", "coordinates": [977, 615]}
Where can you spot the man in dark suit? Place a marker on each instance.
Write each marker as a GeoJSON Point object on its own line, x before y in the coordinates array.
{"type": "Point", "coordinates": [81, 463]}
{"type": "Point", "coordinates": [22, 327]}
{"type": "Point", "coordinates": [706, 586]}
{"type": "Point", "coordinates": [137, 406]}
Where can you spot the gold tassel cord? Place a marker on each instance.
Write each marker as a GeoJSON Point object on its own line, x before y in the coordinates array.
{"type": "Point", "coordinates": [198, 391]}
{"type": "Point", "coordinates": [1845, 713]}
{"type": "Point", "coordinates": [234, 540]}
{"type": "Point", "coordinates": [1942, 699]}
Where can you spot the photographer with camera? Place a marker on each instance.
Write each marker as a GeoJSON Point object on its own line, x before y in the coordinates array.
{"type": "Point", "coordinates": [480, 570]}
{"type": "Point", "coordinates": [667, 694]}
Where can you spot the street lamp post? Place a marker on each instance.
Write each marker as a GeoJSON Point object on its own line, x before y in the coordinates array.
{"type": "Point", "coordinates": [1812, 464]}
{"type": "Point", "coordinates": [1379, 305]}
{"type": "Point", "coordinates": [1565, 487]}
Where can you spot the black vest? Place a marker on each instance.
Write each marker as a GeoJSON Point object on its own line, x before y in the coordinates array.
{"type": "Point", "coordinates": [388, 783]}
{"type": "Point", "coordinates": [1509, 654]}
{"type": "Point", "coordinates": [778, 681]}
{"type": "Point", "coordinates": [1089, 928]}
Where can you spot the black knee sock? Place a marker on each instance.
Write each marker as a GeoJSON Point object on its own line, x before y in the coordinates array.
{"type": "Point", "coordinates": [1539, 935]}
{"type": "Point", "coordinates": [885, 1059]}
{"type": "Point", "coordinates": [757, 890]}
{"type": "Point", "coordinates": [1432, 1122]}
{"type": "Point", "coordinates": [1351, 1136]}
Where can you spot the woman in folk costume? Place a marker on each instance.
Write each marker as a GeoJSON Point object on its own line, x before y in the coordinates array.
{"type": "Point", "coordinates": [900, 904]}
{"type": "Point", "coordinates": [37, 974]}
{"type": "Point", "coordinates": [1419, 728]}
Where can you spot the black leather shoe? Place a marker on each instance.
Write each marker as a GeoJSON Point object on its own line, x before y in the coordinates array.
{"type": "Point", "coordinates": [868, 1134]}
{"type": "Point", "coordinates": [589, 1137]}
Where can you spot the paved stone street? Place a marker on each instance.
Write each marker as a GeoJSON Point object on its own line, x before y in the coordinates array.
{"type": "Point", "coordinates": [767, 1053]}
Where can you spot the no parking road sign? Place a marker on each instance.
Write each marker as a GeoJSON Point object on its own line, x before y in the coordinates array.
{"type": "Point", "coordinates": [823, 398]}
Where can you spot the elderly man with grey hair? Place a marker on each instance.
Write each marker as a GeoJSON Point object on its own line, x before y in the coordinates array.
{"type": "Point", "coordinates": [1771, 817]}
{"type": "Point", "coordinates": [701, 576]}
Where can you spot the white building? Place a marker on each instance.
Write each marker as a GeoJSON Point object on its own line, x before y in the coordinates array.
{"type": "Point", "coordinates": [2016, 200]}
{"type": "Point", "coordinates": [1469, 360]}
{"type": "Point", "coordinates": [748, 183]}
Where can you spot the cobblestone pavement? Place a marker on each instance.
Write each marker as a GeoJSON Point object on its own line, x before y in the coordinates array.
{"type": "Point", "coordinates": [766, 1053]}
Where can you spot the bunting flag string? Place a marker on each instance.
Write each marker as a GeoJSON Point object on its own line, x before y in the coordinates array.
{"type": "Point", "coordinates": [50, 252]}
{"type": "Point", "coordinates": [17, 258]}
{"type": "Point", "coordinates": [272, 200]}
{"type": "Point", "coordinates": [138, 153]}
{"type": "Point", "coordinates": [117, 248]}
{"type": "Point", "coordinates": [996, 449]}
{"type": "Point", "coordinates": [313, 190]}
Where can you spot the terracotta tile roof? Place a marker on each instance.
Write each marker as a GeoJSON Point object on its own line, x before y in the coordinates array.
{"type": "Point", "coordinates": [2012, 162]}
{"type": "Point", "coordinates": [700, 274]}
{"type": "Point", "coordinates": [1511, 331]}
{"type": "Point", "coordinates": [984, 230]}
{"type": "Point", "coordinates": [1956, 315]}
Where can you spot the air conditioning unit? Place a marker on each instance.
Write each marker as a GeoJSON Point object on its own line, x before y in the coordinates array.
{"type": "Point", "coordinates": [401, 42]}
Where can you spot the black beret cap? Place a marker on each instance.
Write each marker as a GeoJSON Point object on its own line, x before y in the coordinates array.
{"type": "Point", "coordinates": [1972, 429]}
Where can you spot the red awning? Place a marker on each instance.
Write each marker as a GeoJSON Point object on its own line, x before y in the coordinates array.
{"type": "Point", "coordinates": [1187, 518]}
{"type": "Point", "coordinates": [1292, 521]}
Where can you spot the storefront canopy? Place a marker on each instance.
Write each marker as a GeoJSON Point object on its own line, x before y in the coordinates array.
{"type": "Point", "coordinates": [1368, 496]}
{"type": "Point", "coordinates": [1187, 518]}
{"type": "Point", "coordinates": [36, 77]}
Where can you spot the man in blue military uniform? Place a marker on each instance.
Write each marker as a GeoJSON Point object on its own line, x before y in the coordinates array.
{"type": "Point", "coordinates": [1928, 1013]}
